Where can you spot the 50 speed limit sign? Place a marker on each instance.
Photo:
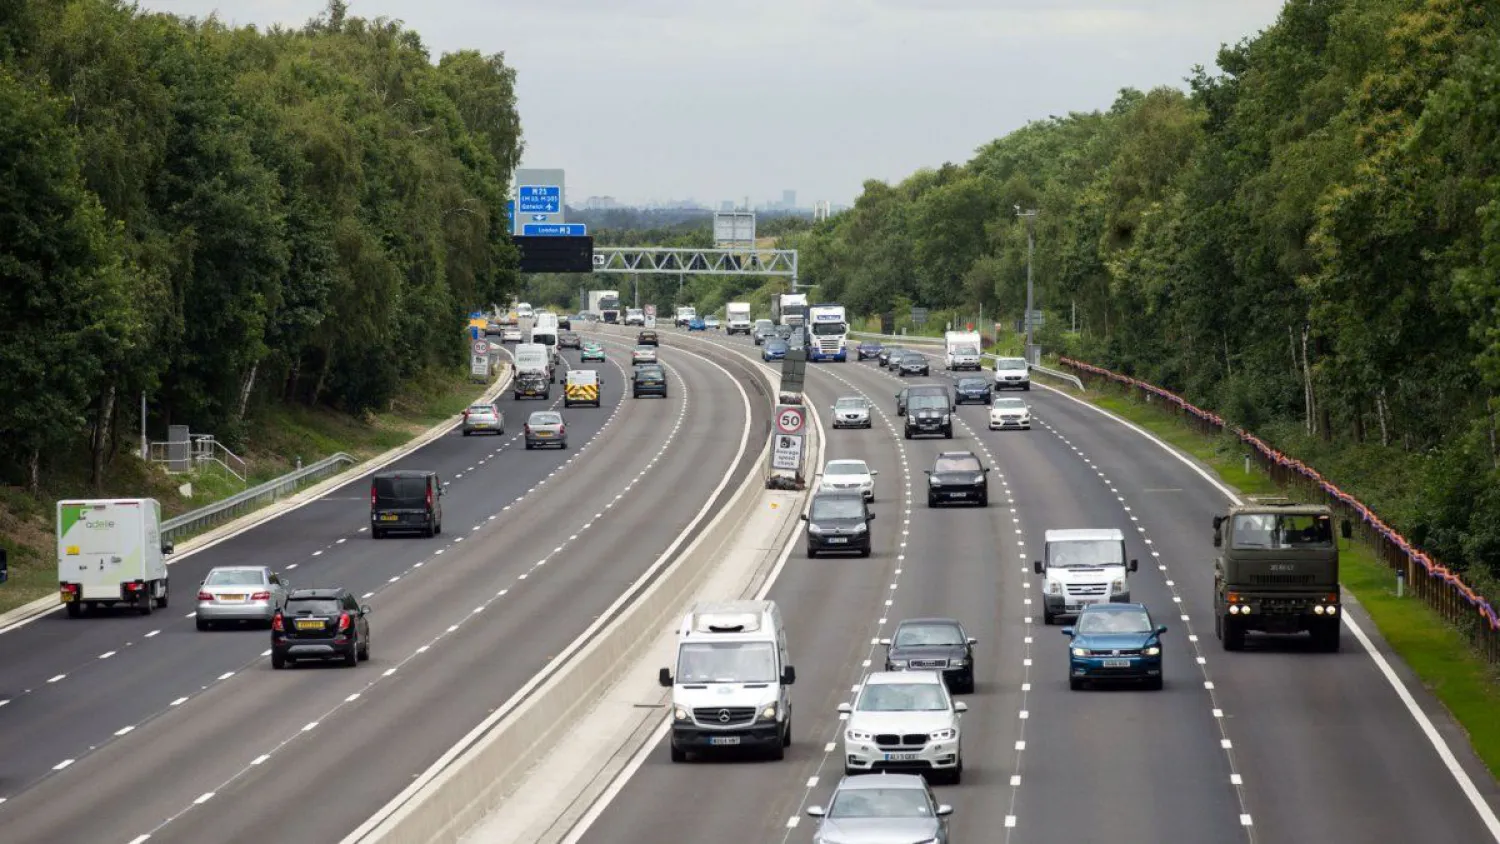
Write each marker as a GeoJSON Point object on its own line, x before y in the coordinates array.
{"type": "Point", "coordinates": [789, 419]}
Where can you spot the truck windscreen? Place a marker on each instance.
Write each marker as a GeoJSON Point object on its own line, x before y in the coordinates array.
{"type": "Point", "coordinates": [828, 328]}
{"type": "Point", "coordinates": [727, 662]}
{"type": "Point", "coordinates": [1277, 531]}
{"type": "Point", "coordinates": [1075, 554]}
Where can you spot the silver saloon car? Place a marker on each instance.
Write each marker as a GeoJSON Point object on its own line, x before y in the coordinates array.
{"type": "Point", "coordinates": [851, 412]}
{"type": "Point", "coordinates": [882, 809]}
{"type": "Point", "coordinates": [483, 419]}
{"type": "Point", "coordinates": [240, 593]}
{"type": "Point", "coordinates": [545, 428]}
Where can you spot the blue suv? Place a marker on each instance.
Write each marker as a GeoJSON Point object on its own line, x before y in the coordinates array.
{"type": "Point", "coordinates": [1115, 642]}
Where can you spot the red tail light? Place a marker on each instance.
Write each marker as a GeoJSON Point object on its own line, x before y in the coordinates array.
{"type": "Point", "coordinates": [343, 622]}
{"type": "Point", "coordinates": [276, 623]}
{"type": "Point", "coordinates": [261, 596]}
{"type": "Point", "coordinates": [205, 595]}
{"type": "Point", "coordinates": [466, 413]}
{"type": "Point", "coordinates": [70, 588]}
{"type": "Point", "coordinates": [372, 494]}
{"type": "Point", "coordinates": [562, 429]}
{"type": "Point", "coordinates": [429, 496]}
{"type": "Point", "coordinates": [528, 427]}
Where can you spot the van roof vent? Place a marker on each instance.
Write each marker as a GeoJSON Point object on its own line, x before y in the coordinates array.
{"type": "Point", "coordinates": [727, 623]}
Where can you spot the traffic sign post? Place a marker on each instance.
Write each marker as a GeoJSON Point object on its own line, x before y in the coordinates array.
{"type": "Point", "coordinates": [650, 311]}
{"type": "Point", "coordinates": [554, 229]}
{"type": "Point", "coordinates": [787, 450]}
{"type": "Point", "coordinates": [786, 453]}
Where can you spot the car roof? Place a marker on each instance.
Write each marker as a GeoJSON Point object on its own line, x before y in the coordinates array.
{"type": "Point", "coordinates": [536, 413]}
{"type": "Point", "coordinates": [929, 621]}
{"type": "Point", "coordinates": [951, 455]}
{"type": "Point", "coordinates": [239, 568]}
{"type": "Point", "coordinates": [846, 461]}
{"type": "Point", "coordinates": [1084, 535]}
{"type": "Point", "coordinates": [405, 473]}
{"type": "Point", "coordinates": [320, 592]}
{"type": "Point", "coordinates": [881, 780]}
{"type": "Point", "coordinates": [1115, 607]}
{"type": "Point", "coordinates": [886, 678]}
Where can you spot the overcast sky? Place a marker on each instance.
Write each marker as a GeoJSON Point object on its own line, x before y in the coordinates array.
{"type": "Point", "coordinates": [649, 100]}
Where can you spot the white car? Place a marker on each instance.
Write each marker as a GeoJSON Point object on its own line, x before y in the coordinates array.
{"type": "Point", "coordinates": [852, 412]}
{"type": "Point", "coordinates": [1010, 413]}
{"type": "Point", "coordinates": [904, 721]}
{"type": "Point", "coordinates": [511, 334]}
{"type": "Point", "coordinates": [711, 322]}
{"type": "Point", "coordinates": [643, 354]}
{"type": "Point", "coordinates": [849, 475]}
{"type": "Point", "coordinates": [1012, 372]}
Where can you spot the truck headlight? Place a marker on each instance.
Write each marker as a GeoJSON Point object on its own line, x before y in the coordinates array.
{"type": "Point", "coordinates": [959, 663]}
{"type": "Point", "coordinates": [1055, 587]}
{"type": "Point", "coordinates": [898, 663]}
{"type": "Point", "coordinates": [861, 528]}
{"type": "Point", "coordinates": [769, 713]}
{"type": "Point", "coordinates": [1080, 652]}
{"type": "Point", "coordinates": [680, 714]}
{"type": "Point", "coordinates": [1117, 586]}
{"type": "Point", "coordinates": [812, 528]}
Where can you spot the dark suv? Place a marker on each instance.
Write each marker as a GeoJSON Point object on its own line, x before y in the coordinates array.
{"type": "Point", "coordinates": [838, 521]}
{"type": "Point", "coordinates": [406, 500]}
{"type": "Point", "coordinates": [933, 644]}
{"type": "Point", "coordinates": [650, 379]}
{"type": "Point", "coordinates": [320, 624]}
{"type": "Point", "coordinates": [924, 390]}
{"type": "Point", "coordinates": [958, 476]}
{"type": "Point", "coordinates": [973, 390]}
{"type": "Point", "coordinates": [929, 415]}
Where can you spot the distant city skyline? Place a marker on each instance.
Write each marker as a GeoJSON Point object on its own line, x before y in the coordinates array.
{"type": "Point", "coordinates": [786, 203]}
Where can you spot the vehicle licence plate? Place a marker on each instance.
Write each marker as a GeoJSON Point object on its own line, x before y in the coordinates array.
{"type": "Point", "coordinates": [309, 624]}
{"type": "Point", "coordinates": [832, 540]}
{"type": "Point", "coordinates": [544, 433]}
{"type": "Point", "coordinates": [389, 517]}
{"type": "Point", "coordinates": [67, 597]}
{"type": "Point", "coordinates": [229, 598]}
{"type": "Point", "coordinates": [724, 740]}
{"type": "Point", "coordinates": [900, 757]}
{"type": "Point", "coordinates": [1117, 663]}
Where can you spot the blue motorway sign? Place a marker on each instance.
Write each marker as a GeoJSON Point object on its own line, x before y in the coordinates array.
{"type": "Point", "coordinates": [510, 216]}
{"type": "Point", "coordinates": [539, 199]}
{"type": "Point", "coordinates": [554, 230]}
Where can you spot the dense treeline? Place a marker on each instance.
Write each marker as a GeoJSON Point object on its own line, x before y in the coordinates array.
{"type": "Point", "coordinates": [1306, 240]}
{"type": "Point", "coordinates": [220, 217]}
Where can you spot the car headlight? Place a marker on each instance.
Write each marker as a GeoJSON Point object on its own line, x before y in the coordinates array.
{"type": "Point", "coordinates": [898, 663]}
{"type": "Point", "coordinates": [1055, 587]}
{"type": "Point", "coordinates": [943, 735]}
{"type": "Point", "coordinates": [1080, 652]}
{"type": "Point", "coordinates": [1117, 585]}
{"type": "Point", "coordinates": [1152, 651]}
{"type": "Point", "coordinates": [769, 713]}
{"type": "Point", "coordinates": [861, 528]}
{"type": "Point", "coordinates": [934, 482]}
{"type": "Point", "coordinates": [857, 735]}
{"type": "Point", "coordinates": [979, 479]}
{"type": "Point", "coordinates": [812, 528]}
{"type": "Point", "coordinates": [680, 714]}
{"type": "Point", "coordinates": [958, 663]}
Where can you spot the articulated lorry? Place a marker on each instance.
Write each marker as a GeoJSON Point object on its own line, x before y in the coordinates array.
{"type": "Point", "coordinates": [1277, 572]}
{"type": "Point", "coordinates": [737, 318]}
{"type": "Point", "coordinates": [605, 303]}
{"type": "Point", "coordinates": [789, 308]}
{"type": "Point", "coordinates": [830, 333]}
{"type": "Point", "coordinates": [110, 552]}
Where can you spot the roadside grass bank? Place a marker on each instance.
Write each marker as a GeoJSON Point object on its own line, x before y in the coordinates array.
{"type": "Point", "coordinates": [279, 435]}
{"type": "Point", "coordinates": [1437, 651]}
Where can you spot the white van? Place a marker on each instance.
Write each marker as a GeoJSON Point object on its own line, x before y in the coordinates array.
{"type": "Point", "coordinates": [1012, 372]}
{"type": "Point", "coordinates": [1082, 567]}
{"type": "Point", "coordinates": [110, 551]}
{"type": "Point", "coordinates": [733, 683]}
{"type": "Point", "coordinates": [961, 350]}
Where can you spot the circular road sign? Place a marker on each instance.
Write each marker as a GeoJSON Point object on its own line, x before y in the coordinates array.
{"type": "Point", "coordinates": [650, 310]}
{"type": "Point", "coordinates": [789, 420]}
{"type": "Point", "coordinates": [481, 347]}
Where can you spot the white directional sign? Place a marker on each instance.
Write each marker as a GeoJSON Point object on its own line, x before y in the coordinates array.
{"type": "Point", "coordinates": [786, 452]}
{"type": "Point", "coordinates": [789, 419]}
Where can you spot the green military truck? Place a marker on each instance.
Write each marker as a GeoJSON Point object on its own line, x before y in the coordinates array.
{"type": "Point", "coordinates": [1277, 571]}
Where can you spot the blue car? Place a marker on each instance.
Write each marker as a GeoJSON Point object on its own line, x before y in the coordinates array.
{"type": "Point", "coordinates": [697, 324]}
{"type": "Point", "coordinates": [1115, 642]}
{"type": "Point", "coordinates": [775, 349]}
{"type": "Point", "coordinates": [869, 349]}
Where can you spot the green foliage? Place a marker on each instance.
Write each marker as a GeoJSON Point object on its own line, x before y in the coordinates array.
{"type": "Point", "coordinates": [229, 219]}
{"type": "Point", "coordinates": [1315, 220]}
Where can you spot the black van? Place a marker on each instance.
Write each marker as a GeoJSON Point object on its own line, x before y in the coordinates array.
{"type": "Point", "coordinates": [908, 393]}
{"type": "Point", "coordinates": [406, 500]}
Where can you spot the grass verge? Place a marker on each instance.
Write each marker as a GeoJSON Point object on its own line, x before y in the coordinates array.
{"type": "Point", "coordinates": [1438, 653]}
{"type": "Point", "coordinates": [279, 435]}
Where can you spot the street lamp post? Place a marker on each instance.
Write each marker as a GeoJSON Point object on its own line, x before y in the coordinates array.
{"type": "Point", "coordinates": [1030, 251]}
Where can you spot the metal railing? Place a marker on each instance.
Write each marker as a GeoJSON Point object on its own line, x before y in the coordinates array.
{"type": "Point", "coordinates": [1442, 589]}
{"type": "Point", "coordinates": [915, 340]}
{"type": "Point", "coordinates": [198, 451]}
{"type": "Point", "coordinates": [231, 508]}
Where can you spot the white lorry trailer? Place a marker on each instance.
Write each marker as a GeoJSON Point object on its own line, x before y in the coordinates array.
{"type": "Point", "coordinates": [110, 552]}
{"type": "Point", "coordinates": [737, 318]}
{"type": "Point", "coordinates": [606, 304]}
{"type": "Point", "coordinates": [789, 308]}
{"type": "Point", "coordinates": [962, 350]}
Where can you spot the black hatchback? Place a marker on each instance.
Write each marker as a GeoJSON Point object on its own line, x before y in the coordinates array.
{"type": "Point", "coordinates": [650, 379]}
{"type": "Point", "coordinates": [406, 500]}
{"type": "Point", "coordinates": [838, 522]}
{"type": "Point", "coordinates": [320, 624]}
{"type": "Point", "coordinates": [977, 390]}
{"type": "Point", "coordinates": [958, 476]}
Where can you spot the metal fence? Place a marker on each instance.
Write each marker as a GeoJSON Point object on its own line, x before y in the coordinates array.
{"type": "Point", "coordinates": [938, 341]}
{"type": "Point", "coordinates": [189, 452]}
{"type": "Point", "coordinates": [1440, 587]}
{"type": "Point", "coordinates": [220, 512]}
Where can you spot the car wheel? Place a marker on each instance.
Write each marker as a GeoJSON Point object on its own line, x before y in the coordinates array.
{"type": "Point", "coordinates": [161, 601]}
{"type": "Point", "coordinates": [811, 552]}
{"type": "Point", "coordinates": [1048, 618]}
{"type": "Point", "coordinates": [1154, 684]}
{"type": "Point", "coordinates": [364, 651]}
{"type": "Point", "coordinates": [203, 625]}
{"type": "Point", "coordinates": [430, 531]}
{"type": "Point", "coordinates": [351, 659]}
{"type": "Point", "coordinates": [528, 445]}
{"type": "Point", "coordinates": [1074, 683]}
{"type": "Point", "coordinates": [466, 433]}
{"type": "Point", "coordinates": [74, 610]}
{"type": "Point", "coordinates": [278, 661]}
{"type": "Point", "coordinates": [864, 552]}
{"type": "Point", "coordinates": [438, 528]}
{"type": "Point", "coordinates": [984, 500]}
{"type": "Point", "coordinates": [377, 533]}
{"type": "Point", "coordinates": [1234, 635]}
{"type": "Point", "coordinates": [908, 432]}
{"type": "Point", "coordinates": [931, 501]}
{"type": "Point", "coordinates": [778, 751]}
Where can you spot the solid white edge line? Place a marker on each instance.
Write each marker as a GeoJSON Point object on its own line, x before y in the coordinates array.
{"type": "Point", "coordinates": [1445, 753]}
{"type": "Point", "coordinates": [384, 813]}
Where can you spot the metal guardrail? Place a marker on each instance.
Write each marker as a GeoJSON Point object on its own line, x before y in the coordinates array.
{"type": "Point", "coordinates": [938, 341]}
{"type": "Point", "coordinates": [254, 498]}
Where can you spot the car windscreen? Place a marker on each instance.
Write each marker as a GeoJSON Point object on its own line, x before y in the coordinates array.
{"type": "Point", "coordinates": [481, 410]}
{"type": "Point", "coordinates": [956, 464]}
{"type": "Point", "coordinates": [401, 489]}
{"type": "Point", "coordinates": [840, 507]}
{"type": "Point", "coordinates": [916, 635]}
{"type": "Point", "coordinates": [546, 419]}
{"type": "Point", "coordinates": [1280, 531]}
{"type": "Point", "coordinates": [1094, 552]}
{"type": "Point", "coordinates": [902, 697]}
{"type": "Point", "coordinates": [972, 384]}
{"type": "Point", "coordinates": [649, 372]}
{"type": "Point", "coordinates": [846, 469]}
{"type": "Point", "coordinates": [726, 662]}
{"type": "Point", "coordinates": [1010, 364]}
{"type": "Point", "coordinates": [832, 328]}
{"type": "Point", "coordinates": [313, 606]}
{"type": "Point", "coordinates": [776, 346]}
{"type": "Point", "coordinates": [881, 803]}
{"type": "Point", "coordinates": [1114, 621]}
{"type": "Point", "coordinates": [965, 350]}
{"type": "Point", "coordinates": [1009, 404]}
{"type": "Point", "coordinates": [241, 577]}
{"type": "Point", "coordinates": [851, 404]}
{"type": "Point", "coordinates": [927, 402]}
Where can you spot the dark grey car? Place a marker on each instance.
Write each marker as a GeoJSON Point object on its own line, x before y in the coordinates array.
{"type": "Point", "coordinates": [928, 415]}
{"type": "Point", "coordinates": [933, 644]}
{"type": "Point", "coordinates": [838, 522]}
{"type": "Point", "coordinates": [882, 809]}
{"type": "Point", "coordinates": [914, 363]}
{"type": "Point", "coordinates": [977, 390]}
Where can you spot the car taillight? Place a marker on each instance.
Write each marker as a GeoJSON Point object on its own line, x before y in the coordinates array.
{"type": "Point", "coordinates": [429, 496]}
{"type": "Point", "coordinates": [276, 623]}
{"type": "Point", "coordinates": [343, 622]}
{"type": "Point", "coordinates": [261, 596]}
{"type": "Point", "coordinates": [528, 427]}
{"type": "Point", "coordinates": [205, 595]}
{"type": "Point", "coordinates": [466, 414]}
{"type": "Point", "coordinates": [372, 495]}
{"type": "Point", "coordinates": [562, 429]}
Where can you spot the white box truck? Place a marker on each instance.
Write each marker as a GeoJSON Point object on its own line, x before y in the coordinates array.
{"type": "Point", "coordinates": [534, 374]}
{"type": "Point", "coordinates": [110, 552]}
{"type": "Point", "coordinates": [962, 350]}
{"type": "Point", "coordinates": [685, 315]}
{"type": "Point", "coordinates": [737, 318]}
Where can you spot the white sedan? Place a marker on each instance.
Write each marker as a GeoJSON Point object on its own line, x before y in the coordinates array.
{"type": "Point", "coordinates": [643, 354]}
{"type": "Point", "coordinates": [511, 334]}
{"type": "Point", "coordinates": [1010, 413]}
{"type": "Point", "coordinates": [849, 475]}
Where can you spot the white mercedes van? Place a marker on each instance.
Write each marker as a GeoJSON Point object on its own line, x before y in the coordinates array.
{"type": "Point", "coordinates": [732, 687]}
{"type": "Point", "coordinates": [1082, 567]}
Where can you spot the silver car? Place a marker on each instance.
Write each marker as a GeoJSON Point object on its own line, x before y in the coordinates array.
{"type": "Point", "coordinates": [852, 412]}
{"type": "Point", "coordinates": [643, 354]}
{"type": "Point", "coordinates": [882, 809]}
{"type": "Point", "coordinates": [483, 419]}
{"type": "Point", "coordinates": [904, 721]}
{"type": "Point", "coordinates": [545, 427]}
{"type": "Point", "coordinates": [240, 593]}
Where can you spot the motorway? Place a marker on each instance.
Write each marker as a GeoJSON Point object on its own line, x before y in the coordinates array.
{"type": "Point", "coordinates": [133, 728]}
{"type": "Point", "coordinates": [1273, 744]}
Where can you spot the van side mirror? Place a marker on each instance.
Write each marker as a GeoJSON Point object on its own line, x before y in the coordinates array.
{"type": "Point", "coordinates": [1037, 567]}
{"type": "Point", "coordinates": [944, 810]}
{"type": "Point", "coordinates": [1135, 565]}
{"type": "Point", "coordinates": [1218, 539]}
{"type": "Point", "coordinates": [973, 641]}
{"type": "Point", "coordinates": [845, 708]}
{"type": "Point", "coordinates": [869, 517]}
{"type": "Point", "coordinates": [664, 677]}
{"type": "Point", "coordinates": [1345, 529]}
{"type": "Point", "coordinates": [874, 472]}
{"type": "Point", "coordinates": [168, 548]}
{"type": "Point", "coordinates": [960, 707]}
{"type": "Point", "coordinates": [886, 642]}
{"type": "Point", "coordinates": [788, 676]}
{"type": "Point", "coordinates": [815, 811]}
{"type": "Point", "coordinates": [1218, 520]}
{"type": "Point", "coordinates": [803, 517]}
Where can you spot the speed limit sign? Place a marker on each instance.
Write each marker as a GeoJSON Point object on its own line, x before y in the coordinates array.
{"type": "Point", "coordinates": [789, 419]}
{"type": "Point", "coordinates": [481, 347]}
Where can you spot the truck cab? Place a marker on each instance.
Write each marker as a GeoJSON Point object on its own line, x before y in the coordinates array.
{"type": "Point", "coordinates": [737, 318]}
{"type": "Point", "coordinates": [962, 350]}
{"type": "Point", "coordinates": [732, 685]}
{"type": "Point", "coordinates": [830, 333]}
{"type": "Point", "coordinates": [1083, 567]}
{"type": "Point", "coordinates": [685, 315]}
{"type": "Point", "coordinates": [1277, 572]}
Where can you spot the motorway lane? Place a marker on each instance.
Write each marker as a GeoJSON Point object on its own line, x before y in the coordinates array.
{"type": "Point", "coordinates": [81, 696]}
{"type": "Point", "coordinates": [830, 605]}
{"type": "Point", "coordinates": [248, 715]}
{"type": "Point", "coordinates": [1350, 764]}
